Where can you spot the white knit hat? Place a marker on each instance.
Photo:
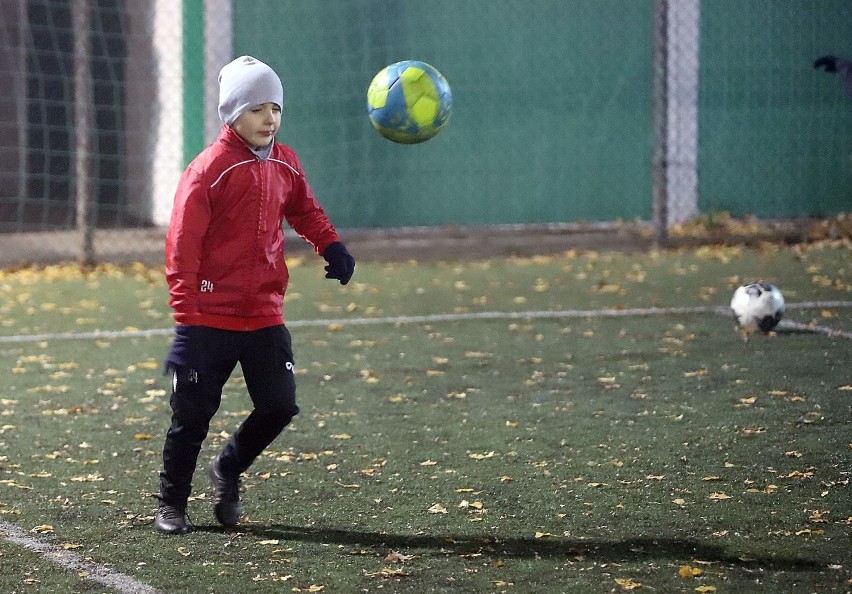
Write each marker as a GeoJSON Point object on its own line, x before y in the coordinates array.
{"type": "Point", "coordinates": [244, 83]}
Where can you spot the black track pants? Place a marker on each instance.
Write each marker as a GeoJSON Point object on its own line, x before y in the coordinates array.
{"type": "Point", "coordinates": [200, 362]}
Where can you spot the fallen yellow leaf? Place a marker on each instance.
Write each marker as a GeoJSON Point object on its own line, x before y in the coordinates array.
{"type": "Point", "coordinates": [628, 584]}
{"type": "Point", "coordinates": [484, 456]}
{"type": "Point", "coordinates": [686, 571]}
{"type": "Point", "coordinates": [718, 496]}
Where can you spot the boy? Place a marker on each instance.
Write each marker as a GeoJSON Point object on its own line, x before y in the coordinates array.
{"type": "Point", "coordinates": [227, 277]}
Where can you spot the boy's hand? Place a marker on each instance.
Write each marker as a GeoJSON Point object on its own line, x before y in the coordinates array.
{"type": "Point", "coordinates": [341, 264]}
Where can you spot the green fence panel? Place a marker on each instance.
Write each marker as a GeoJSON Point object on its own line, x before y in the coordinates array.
{"type": "Point", "coordinates": [552, 112]}
{"type": "Point", "coordinates": [193, 79]}
{"type": "Point", "coordinates": [551, 115]}
{"type": "Point", "coordinates": [775, 134]}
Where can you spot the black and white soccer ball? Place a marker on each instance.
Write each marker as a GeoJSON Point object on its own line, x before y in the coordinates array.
{"type": "Point", "coordinates": [758, 306]}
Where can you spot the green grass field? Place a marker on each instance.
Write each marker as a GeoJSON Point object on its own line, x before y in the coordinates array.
{"type": "Point", "coordinates": [582, 453]}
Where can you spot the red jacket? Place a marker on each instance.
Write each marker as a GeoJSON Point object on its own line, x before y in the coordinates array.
{"type": "Point", "coordinates": [225, 244]}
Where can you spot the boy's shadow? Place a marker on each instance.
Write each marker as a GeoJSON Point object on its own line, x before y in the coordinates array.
{"type": "Point", "coordinates": [600, 550]}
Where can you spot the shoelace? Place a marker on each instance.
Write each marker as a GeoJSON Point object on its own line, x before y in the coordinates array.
{"type": "Point", "coordinates": [172, 513]}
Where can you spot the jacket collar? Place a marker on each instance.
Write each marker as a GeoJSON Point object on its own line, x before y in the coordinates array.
{"type": "Point", "coordinates": [232, 140]}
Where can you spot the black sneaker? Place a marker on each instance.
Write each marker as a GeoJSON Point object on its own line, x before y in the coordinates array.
{"type": "Point", "coordinates": [226, 497]}
{"type": "Point", "coordinates": [171, 519]}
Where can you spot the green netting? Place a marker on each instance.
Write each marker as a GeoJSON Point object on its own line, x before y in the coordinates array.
{"type": "Point", "coordinates": [775, 135]}
{"type": "Point", "coordinates": [551, 118]}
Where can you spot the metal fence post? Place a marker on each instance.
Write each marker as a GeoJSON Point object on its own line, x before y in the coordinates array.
{"type": "Point", "coordinates": [83, 122]}
{"type": "Point", "coordinates": [659, 102]}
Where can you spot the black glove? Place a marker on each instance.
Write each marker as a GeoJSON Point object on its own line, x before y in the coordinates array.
{"type": "Point", "coordinates": [829, 62]}
{"type": "Point", "coordinates": [341, 264]}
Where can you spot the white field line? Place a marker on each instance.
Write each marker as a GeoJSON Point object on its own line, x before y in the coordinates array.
{"type": "Point", "coordinates": [790, 325]}
{"type": "Point", "coordinates": [460, 317]}
{"type": "Point", "coordinates": [92, 571]}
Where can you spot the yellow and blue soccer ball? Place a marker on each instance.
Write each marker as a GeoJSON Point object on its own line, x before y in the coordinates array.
{"type": "Point", "coordinates": [409, 102]}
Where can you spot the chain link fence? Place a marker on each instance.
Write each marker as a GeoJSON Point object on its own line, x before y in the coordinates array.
{"type": "Point", "coordinates": [105, 101]}
{"type": "Point", "coordinates": [86, 141]}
